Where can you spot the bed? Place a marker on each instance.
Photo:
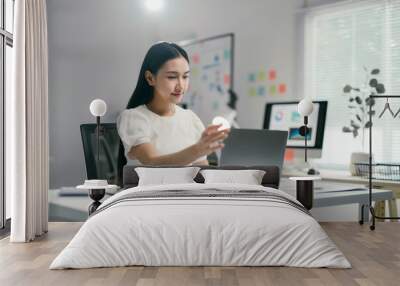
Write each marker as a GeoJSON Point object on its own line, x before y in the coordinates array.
{"type": "Point", "coordinates": [199, 224]}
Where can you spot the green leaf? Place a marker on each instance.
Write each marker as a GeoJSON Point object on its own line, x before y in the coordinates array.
{"type": "Point", "coordinates": [369, 101]}
{"type": "Point", "coordinates": [347, 88]}
{"type": "Point", "coordinates": [358, 100]}
{"type": "Point", "coordinates": [375, 71]}
{"type": "Point", "coordinates": [354, 125]}
{"type": "Point", "coordinates": [346, 129]}
{"type": "Point", "coordinates": [368, 124]}
{"type": "Point", "coordinates": [373, 83]}
{"type": "Point", "coordinates": [380, 88]}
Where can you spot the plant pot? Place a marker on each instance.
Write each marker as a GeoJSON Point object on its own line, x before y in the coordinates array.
{"type": "Point", "coordinates": [357, 157]}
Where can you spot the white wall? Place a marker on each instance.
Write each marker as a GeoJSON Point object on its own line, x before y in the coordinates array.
{"type": "Point", "coordinates": [95, 51]}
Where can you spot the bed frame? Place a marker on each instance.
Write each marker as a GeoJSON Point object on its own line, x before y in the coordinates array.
{"type": "Point", "coordinates": [270, 179]}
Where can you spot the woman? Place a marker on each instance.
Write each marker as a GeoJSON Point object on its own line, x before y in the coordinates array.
{"type": "Point", "coordinates": [154, 129]}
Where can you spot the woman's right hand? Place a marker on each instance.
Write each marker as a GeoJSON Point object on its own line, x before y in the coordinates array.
{"type": "Point", "coordinates": [211, 140]}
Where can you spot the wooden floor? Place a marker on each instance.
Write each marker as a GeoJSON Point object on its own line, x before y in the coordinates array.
{"type": "Point", "coordinates": [375, 257]}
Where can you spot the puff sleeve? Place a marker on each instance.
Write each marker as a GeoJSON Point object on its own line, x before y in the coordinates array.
{"type": "Point", "coordinates": [133, 128]}
{"type": "Point", "coordinates": [199, 128]}
{"type": "Point", "coordinates": [198, 125]}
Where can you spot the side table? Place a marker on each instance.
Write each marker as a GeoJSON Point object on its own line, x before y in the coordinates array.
{"type": "Point", "coordinates": [305, 190]}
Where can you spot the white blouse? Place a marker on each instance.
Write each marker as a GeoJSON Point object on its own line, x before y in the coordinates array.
{"type": "Point", "coordinates": [169, 134]}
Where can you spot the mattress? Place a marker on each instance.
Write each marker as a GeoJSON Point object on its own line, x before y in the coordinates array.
{"type": "Point", "coordinates": [201, 225]}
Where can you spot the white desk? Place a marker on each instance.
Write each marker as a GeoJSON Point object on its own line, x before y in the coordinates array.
{"type": "Point", "coordinates": [346, 177]}
{"type": "Point", "coordinates": [333, 194]}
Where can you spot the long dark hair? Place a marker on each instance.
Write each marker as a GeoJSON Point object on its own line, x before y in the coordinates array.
{"type": "Point", "coordinates": [155, 58]}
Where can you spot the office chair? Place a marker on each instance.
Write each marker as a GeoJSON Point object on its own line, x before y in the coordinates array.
{"type": "Point", "coordinates": [107, 167]}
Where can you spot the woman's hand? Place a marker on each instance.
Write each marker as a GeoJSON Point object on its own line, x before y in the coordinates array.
{"type": "Point", "coordinates": [211, 140]}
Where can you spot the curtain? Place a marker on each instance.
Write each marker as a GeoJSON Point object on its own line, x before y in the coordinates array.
{"type": "Point", "coordinates": [28, 123]}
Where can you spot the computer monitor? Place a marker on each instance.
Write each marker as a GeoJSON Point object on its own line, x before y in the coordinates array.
{"type": "Point", "coordinates": [284, 116]}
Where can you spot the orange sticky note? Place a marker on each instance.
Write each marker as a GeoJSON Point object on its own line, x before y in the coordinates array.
{"type": "Point", "coordinates": [289, 155]}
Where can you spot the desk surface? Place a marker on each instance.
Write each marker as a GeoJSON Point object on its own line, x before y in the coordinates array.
{"type": "Point", "coordinates": [331, 193]}
{"type": "Point", "coordinates": [342, 176]}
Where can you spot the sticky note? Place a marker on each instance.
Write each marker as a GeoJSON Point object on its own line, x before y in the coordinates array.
{"type": "Point", "coordinates": [196, 58]}
{"type": "Point", "coordinates": [215, 105]}
{"type": "Point", "coordinates": [227, 54]}
{"type": "Point", "coordinates": [227, 79]}
{"type": "Point", "coordinates": [272, 89]}
{"type": "Point", "coordinates": [195, 72]}
{"type": "Point", "coordinates": [252, 91]}
{"type": "Point", "coordinates": [261, 90]}
{"type": "Point", "coordinates": [282, 88]}
{"type": "Point", "coordinates": [272, 74]}
{"type": "Point", "coordinates": [289, 155]}
{"type": "Point", "coordinates": [261, 76]}
{"type": "Point", "coordinates": [252, 77]}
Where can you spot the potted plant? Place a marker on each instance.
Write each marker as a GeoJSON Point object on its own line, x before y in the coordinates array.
{"type": "Point", "coordinates": [359, 104]}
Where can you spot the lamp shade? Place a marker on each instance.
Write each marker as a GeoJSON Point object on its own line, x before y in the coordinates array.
{"type": "Point", "coordinates": [305, 107]}
{"type": "Point", "coordinates": [221, 120]}
{"type": "Point", "coordinates": [98, 107]}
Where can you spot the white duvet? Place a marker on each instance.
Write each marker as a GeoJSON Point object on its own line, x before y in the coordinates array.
{"type": "Point", "coordinates": [200, 231]}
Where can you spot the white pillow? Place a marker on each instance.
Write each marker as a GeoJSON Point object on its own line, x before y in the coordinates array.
{"type": "Point", "coordinates": [163, 176]}
{"type": "Point", "coordinates": [249, 177]}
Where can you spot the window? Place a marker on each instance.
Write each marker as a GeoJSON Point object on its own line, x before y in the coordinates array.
{"type": "Point", "coordinates": [6, 44]}
{"type": "Point", "coordinates": [342, 40]}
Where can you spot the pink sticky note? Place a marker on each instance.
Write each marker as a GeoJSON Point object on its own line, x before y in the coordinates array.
{"type": "Point", "coordinates": [272, 74]}
{"type": "Point", "coordinates": [196, 58]}
{"type": "Point", "coordinates": [227, 79]}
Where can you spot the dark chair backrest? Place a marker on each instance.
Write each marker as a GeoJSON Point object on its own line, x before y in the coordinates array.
{"type": "Point", "coordinates": [107, 167]}
{"type": "Point", "coordinates": [270, 179]}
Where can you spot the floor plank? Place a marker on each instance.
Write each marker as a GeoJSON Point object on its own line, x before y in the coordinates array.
{"type": "Point", "coordinates": [374, 255]}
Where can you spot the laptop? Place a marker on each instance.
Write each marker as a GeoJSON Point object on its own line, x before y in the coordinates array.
{"type": "Point", "coordinates": [250, 147]}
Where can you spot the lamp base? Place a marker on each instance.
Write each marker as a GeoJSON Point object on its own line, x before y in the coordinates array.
{"type": "Point", "coordinates": [306, 168]}
{"type": "Point", "coordinates": [305, 193]}
{"type": "Point", "coordinates": [96, 195]}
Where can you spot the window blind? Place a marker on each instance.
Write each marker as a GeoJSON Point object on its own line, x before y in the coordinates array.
{"type": "Point", "coordinates": [343, 44]}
